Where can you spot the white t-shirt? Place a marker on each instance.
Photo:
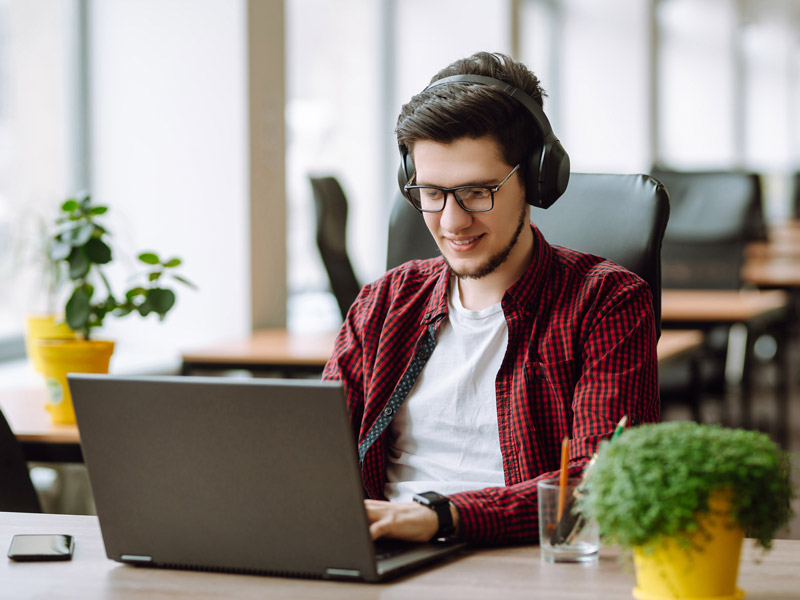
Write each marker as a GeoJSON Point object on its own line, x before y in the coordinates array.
{"type": "Point", "coordinates": [445, 436]}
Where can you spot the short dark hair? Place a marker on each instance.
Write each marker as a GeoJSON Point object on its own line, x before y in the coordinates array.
{"type": "Point", "coordinates": [450, 112]}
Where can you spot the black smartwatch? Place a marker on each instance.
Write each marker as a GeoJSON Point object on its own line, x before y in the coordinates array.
{"type": "Point", "coordinates": [441, 506]}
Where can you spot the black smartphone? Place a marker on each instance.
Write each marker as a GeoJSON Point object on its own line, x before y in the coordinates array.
{"type": "Point", "coordinates": [30, 547]}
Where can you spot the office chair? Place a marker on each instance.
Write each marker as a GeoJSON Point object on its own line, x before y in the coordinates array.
{"type": "Point", "coordinates": [715, 214]}
{"type": "Point", "coordinates": [17, 493]}
{"type": "Point", "coordinates": [796, 195]}
{"type": "Point", "coordinates": [619, 217]}
{"type": "Point", "coordinates": [331, 208]}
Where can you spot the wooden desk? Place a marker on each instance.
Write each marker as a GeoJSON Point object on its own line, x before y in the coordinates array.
{"type": "Point", "coordinates": [704, 308]}
{"type": "Point", "coordinates": [508, 573]}
{"type": "Point", "coordinates": [676, 344]}
{"type": "Point", "coordinates": [267, 350]}
{"type": "Point", "coordinates": [41, 439]}
{"type": "Point", "coordinates": [782, 272]}
{"type": "Point", "coordinates": [755, 312]}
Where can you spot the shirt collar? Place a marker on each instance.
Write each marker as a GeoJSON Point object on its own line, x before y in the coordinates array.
{"type": "Point", "coordinates": [527, 290]}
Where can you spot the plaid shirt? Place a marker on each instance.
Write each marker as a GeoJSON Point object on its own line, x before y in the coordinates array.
{"type": "Point", "coordinates": [581, 354]}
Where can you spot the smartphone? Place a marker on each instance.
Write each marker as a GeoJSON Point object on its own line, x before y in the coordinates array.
{"type": "Point", "coordinates": [41, 547]}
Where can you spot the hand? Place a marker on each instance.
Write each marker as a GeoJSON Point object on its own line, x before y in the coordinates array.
{"type": "Point", "coordinates": [408, 521]}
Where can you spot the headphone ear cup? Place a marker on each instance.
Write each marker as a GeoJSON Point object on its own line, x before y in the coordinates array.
{"type": "Point", "coordinates": [550, 174]}
{"type": "Point", "coordinates": [405, 172]}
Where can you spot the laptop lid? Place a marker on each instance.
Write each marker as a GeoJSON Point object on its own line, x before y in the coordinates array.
{"type": "Point", "coordinates": [249, 475]}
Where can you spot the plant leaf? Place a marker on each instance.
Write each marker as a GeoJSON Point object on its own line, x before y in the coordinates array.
{"type": "Point", "coordinates": [70, 205]}
{"type": "Point", "coordinates": [82, 234]}
{"type": "Point", "coordinates": [174, 262]}
{"type": "Point", "coordinates": [98, 210]}
{"type": "Point", "coordinates": [161, 300]}
{"type": "Point", "coordinates": [59, 249]}
{"type": "Point", "coordinates": [98, 251]}
{"type": "Point", "coordinates": [78, 263]}
{"type": "Point", "coordinates": [185, 281]}
{"type": "Point", "coordinates": [78, 309]}
{"type": "Point", "coordinates": [149, 258]}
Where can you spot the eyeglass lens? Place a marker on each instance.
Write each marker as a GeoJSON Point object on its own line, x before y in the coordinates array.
{"type": "Point", "coordinates": [470, 198]}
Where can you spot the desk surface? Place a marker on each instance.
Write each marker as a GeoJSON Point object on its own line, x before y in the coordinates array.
{"type": "Point", "coordinates": [24, 408]}
{"type": "Point", "coordinates": [268, 347]}
{"type": "Point", "coordinates": [773, 271]}
{"type": "Point", "coordinates": [721, 306]}
{"type": "Point", "coordinates": [516, 572]}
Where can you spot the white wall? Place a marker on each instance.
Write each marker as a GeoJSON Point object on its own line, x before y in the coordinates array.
{"type": "Point", "coordinates": [169, 154]}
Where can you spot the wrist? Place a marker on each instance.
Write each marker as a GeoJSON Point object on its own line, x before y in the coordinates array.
{"type": "Point", "coordinates": [446, 513]}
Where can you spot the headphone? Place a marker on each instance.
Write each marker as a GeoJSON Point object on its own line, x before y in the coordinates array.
{"type": "Point", "coordinates": [547, 169]}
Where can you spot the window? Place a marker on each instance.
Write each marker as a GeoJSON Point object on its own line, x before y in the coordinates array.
{"type": "Point", "coordinates": [39, 84]}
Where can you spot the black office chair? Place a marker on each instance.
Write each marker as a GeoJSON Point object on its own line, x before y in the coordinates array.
{"type": "Point", "coordinates": [331, 207]}
{"type": "Point", "coordinates": [715, 214]}
{"type": "Point", "coordinates": [17, 493]}
{"type": "Point", "coordinates": [796, 191]}
{"type": "Point", "coordinates": [619, 217]}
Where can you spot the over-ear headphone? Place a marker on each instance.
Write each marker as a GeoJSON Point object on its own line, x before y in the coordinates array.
{"type": "Point", "coordinates": [547, 170]}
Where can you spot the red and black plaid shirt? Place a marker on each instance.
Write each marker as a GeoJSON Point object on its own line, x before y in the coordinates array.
{"type": "Point", "coordinates": [581, 354]}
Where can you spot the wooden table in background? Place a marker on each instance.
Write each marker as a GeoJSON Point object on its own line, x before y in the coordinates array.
{"type": "Point", "coordinates": [41, 439]}
{"type": "Point", "coordinates": [511, 573]}
{"type": "Point", "coordinates": [757, 312]}
{"type": "Point", "coordinates": [266, 350]}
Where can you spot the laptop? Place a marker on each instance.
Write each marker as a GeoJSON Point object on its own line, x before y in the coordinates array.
{"type": "Point", "coordinates": [245, 475]}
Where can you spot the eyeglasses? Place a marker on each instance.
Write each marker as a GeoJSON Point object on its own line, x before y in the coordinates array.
{"type": "Point", "coordinates": [472, 198]}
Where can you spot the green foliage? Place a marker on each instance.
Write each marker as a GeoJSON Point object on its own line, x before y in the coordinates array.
{"type": "Point", "coordinates": [80, 245]}
{"type": "Point", "coordinates": [654, 479]}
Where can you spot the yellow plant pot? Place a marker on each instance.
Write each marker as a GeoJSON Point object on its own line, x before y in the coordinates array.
{"type": "Point", "coordinates": [706, 571]}
{"type": "Point", "coordinates": [44, 327]}
{"type": "Point", "coordinates": [60, 357]}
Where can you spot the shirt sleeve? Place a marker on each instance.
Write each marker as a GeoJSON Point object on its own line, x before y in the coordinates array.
{"type": "Point", "coordinates": [346, 361]}
{"type": "Point", "coordinates": [618, 375]}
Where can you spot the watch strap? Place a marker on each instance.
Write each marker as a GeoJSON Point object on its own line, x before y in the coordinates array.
{"type": "Point", "coordinates": [441, 506]}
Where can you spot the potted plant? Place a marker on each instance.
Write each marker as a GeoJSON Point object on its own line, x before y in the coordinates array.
{"type": "Point", "coordinates": [79, 247]}
{"type": "Point", "coordinates": [682, 496]}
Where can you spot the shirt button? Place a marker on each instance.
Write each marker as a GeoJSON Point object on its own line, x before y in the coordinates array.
{"type": "Point", "coordinates": [388, 411]}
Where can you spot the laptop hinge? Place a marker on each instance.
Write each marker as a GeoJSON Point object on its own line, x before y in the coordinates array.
{"type": "Point", "coordinates": [331, 573]}
{"type": "Point", "coordinates": [136, 559]}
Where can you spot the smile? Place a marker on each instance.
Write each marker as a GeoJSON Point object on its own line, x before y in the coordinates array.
{"type": "Point", "coordinates": [465, 244]}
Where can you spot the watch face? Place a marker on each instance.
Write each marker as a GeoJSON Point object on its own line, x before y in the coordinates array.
{"type": "Point", "coordinates": [431, 498]}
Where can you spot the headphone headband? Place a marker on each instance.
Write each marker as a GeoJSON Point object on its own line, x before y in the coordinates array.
{"type": "Point", "coordinates": [546, 169]}
{"type": "Point", "coordinates": [533, 107]}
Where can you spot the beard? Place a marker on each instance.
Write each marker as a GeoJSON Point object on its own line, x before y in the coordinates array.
{"type": "Point", "coordinates": [497, 259]}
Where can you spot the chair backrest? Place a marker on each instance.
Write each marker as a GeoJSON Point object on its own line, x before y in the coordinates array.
{"type": "Point", "coordinates": [714, 215]}
{"type": "Point", "coordinates": [619, 217]}
{"type": "Point", "coordinates": [796, 194]}
{"type": "Point", "coordinates": [17, 493]}
{"type": "Point", "coordinates": [331, 209]}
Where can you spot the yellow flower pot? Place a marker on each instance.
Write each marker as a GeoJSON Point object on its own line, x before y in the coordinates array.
{"type": "Point", "coordinates": [708, 570]}
{"type": "Point", "coordinates": [60, 357]}
{"type": "Point", "coordinates": [44, 327]}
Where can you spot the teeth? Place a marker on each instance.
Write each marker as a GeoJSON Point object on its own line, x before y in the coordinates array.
{"type": "Point", "coordinates": [464, 242]}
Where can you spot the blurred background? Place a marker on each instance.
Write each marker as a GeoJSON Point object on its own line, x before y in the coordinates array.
{"type": "Point", "coordinates": [199, 123]}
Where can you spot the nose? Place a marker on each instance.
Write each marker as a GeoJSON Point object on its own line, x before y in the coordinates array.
{"type": "Point", "coordinates": [454, 218]}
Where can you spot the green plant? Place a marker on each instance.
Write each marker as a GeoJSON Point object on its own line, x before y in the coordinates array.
{"type": "Point", "coordinates": [80, 248]}
{"type": "Point", "coordinates": [654, 480]}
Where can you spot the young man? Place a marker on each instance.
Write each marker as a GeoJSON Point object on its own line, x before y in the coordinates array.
{"type": "Point", "coordinates": [464, 373]}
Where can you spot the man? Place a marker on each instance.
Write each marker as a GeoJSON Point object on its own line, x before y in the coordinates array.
{"type": "Point", "coordinates": [464, 373]}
